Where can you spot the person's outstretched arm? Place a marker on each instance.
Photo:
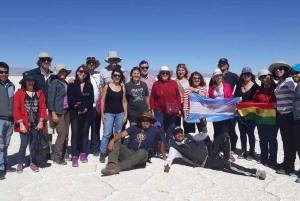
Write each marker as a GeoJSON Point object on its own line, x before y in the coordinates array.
{"type": "Point", "coordinates": [173, 153]}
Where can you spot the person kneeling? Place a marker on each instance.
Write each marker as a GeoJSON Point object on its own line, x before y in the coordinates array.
{"type": "Point", "coordinates": [199, 150]}
{"type": "Point", "coordinates": [141, 142]}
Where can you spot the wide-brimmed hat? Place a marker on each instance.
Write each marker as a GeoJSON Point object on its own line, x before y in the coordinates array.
{"type": "Point", "coordinates": [278, 64]}
{"type": "Point", "coordinates": [217, 72]}
{"type": "Point", "coordinates": [112, 54]}
{"type": "Point", "coordinates": [263, 72]}
{"type": "Point", "coordinates": [43, 55]}
{"type": "Point", "coordinates": [28, 75]}
{"type": "Point", "coordinates": [145, 115]}
{"type": "Point", "coordinates": [92, 58]}
{"type": "Point", "coordinates": [165, 68]}
{"type": "Point", "coordinates": [59, 67]}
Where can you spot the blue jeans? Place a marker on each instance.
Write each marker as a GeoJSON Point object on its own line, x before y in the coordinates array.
{"type": "Point", "coordinates": [6, 130]}
{"type": "Point", "coordinates": [32, 136]}
{"type": "Point", "coordinates": [246, 127]}
{"type": "Point", "coordinates": [268, 142]}
{"type": "Point", "coordinates": [167, 124]}
{"type": "Point", "coordinates": [111, 119]}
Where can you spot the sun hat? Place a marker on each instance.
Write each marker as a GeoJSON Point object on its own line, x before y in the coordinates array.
{"type": "Point", "coordinates": [112, 54]}
{"type": "Point", "coordinates": [246, 70]}
{"type": "Point", "coordinates": [296, 67]}
{"type": "Point", "coordinates": [278, 64]}
{"type": "Point", "coordinates": [177, 130]}
{"type": "Point", "coordinates": [28, 75]}
{"type": "Point", "coordinates": [217, 72]}
{"type": "Point", "coordinates": [43, 55]}
{"type": "Point", "coordinates": [164, 68]}
{"type": "Point", "coordinates": [263, 72]}
{"type": "Point", "coordinates": [59, 67]}
{"type": "Point", "coordinates": [146, 115]}
{"type": "Point", "coordinates": [92, 58]}
{"type": "Point", "coordinates": [223, 60]}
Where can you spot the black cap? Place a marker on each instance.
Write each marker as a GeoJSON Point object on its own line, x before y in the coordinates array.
{"type": "Point", "coordinates": [223, 60]}
{"type": "Point", "coordinates": [177, 130]}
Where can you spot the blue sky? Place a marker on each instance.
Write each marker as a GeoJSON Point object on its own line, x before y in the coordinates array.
{"type": "Point", "coordinates": [164, 32]}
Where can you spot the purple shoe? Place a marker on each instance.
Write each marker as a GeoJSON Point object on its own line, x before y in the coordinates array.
{"type": "Point", "coordinates": [20, 168]}
{"type": "Point", "coordinates": [75, 161]}
{"type": "Point", "coordinates": [83, 158]}
{"type": "Point", "coordinates": [33, 167]}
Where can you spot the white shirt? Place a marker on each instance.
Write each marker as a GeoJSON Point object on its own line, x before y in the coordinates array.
{"type": "Point", "coordinates": [173, 153]}
{"type": "Point", "coordinates": [95, 81]}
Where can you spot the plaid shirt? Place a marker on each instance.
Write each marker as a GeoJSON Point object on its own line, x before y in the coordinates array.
{"type": "Point", "coordinates": [56, 94]}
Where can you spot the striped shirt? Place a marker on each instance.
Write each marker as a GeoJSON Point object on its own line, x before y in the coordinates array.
{"type": "Point", "coordinates": [186, 97]}
{"type": "Point", "coordinates": [285, 96]}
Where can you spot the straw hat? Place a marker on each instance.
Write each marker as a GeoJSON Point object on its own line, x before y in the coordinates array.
{"type": "Point", "coordinates": [92, 58]}
{"type": "Point", "coordinates": [112, 54]}
{"type": "Point", "coordinates": [43, 55]}
{"type": "Point", "coordinates": [278, 64]}
{"type": "Point", "coordinates": [59, 67]}
{"type": "Point", "coordinates": [145, 115]}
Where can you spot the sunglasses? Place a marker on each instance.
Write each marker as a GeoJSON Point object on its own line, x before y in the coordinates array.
{"type": "Point", "coordinates": [165, 73]}
{"type": "Point", "coordinates": [263, 77]}
{"type": "Point", "coordinates": [45, 59]}
{"type": "Point", "coordinates": [279, 68]}
{"type": "Point", "coordinates": [117, 75]}
{"type": "Point", "coordinates": [222, 64]}
{"type": "Point", "coordinates": [81, 71]}
{"type": "Point", "coordinates": [145, 120]}
{"type": "Point", "coordinates": [196, 78]}
{"type": "Point", "coordinates": [144, 68]}
{"type": "Point", "coordinates": [91, 62]}
{"type": "Point", "coordinates": [113, 59]}
{"type": "Point", "coordinates": [4, 72]}
{"type": "Point", "coordinates": [292, 72]}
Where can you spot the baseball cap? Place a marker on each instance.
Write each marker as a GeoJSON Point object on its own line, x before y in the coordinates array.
{"type": "Point", "coordinates": [296, 67]}
{"type": "Point", "coordinates": [223, 60]}
{"type": "Point", "coordinates": [177, 130]}
{"type": "Point", "coordinates": [246, 70]}
{"type": "Point", "coordinates": [263, 72]}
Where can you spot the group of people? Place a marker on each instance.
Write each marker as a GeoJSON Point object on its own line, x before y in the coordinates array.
{"type": "Point", "coordinates": [155, 108]}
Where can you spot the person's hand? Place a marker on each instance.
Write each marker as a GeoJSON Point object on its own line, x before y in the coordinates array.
{"type": "Point", "coordinates": [103, 118]}
{"type": "Point", "coordinates": [202, 120]}
{"type": "Point", "coordinates": [164, 157]}
{"type": "Point", "coordinates": [124, 119]}
{"type": "Point", "coordinates": [55, 118]}
{"type": "Point", "coordinates": [167, 168]}
{"type": "Point", "coordinates": [84, 111]}
{"type": "Point", "coordinates": [241, 100]}
{"type": "Point", "coordinates": [39, 126]}
{"type": "Point", "coordinates": [179, 113]}
{"type": "Point", "coordinates": [111, 145]}
{"type": "Point", "coordinates": [202, 93]}
{"type": "Point", "coordinates": [152, 113]}
{"type": "Point", "coordinates": [22, 128]}
{"type": "Point", "coordinates": [185, 119]}
{"type": "Point", "coordinates": [71, 80]}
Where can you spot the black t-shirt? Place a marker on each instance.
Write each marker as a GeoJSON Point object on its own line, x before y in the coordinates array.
{"type": "Point", "coordinates": [32, 107]}
{"type": "Point", "coordinates": [114, 101]}
{"type": "Point", "coordinates": [142, 139]}
{"type": "Point", "coordinates": [248, 95]}
{"type": "Point", "coordinates": [230, 78]}
{"type": "Point", "coordinates": [136, 97]}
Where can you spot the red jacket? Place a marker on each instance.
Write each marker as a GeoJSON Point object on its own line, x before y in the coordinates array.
{"type": "Point", "coordinates": [261, 97]}
{"type": "Point", "coordinates": [162, 92]}
{"type": "Point", "coordinates": [226, 89]}
{"type": "Point", "coordinates": [20, 111]}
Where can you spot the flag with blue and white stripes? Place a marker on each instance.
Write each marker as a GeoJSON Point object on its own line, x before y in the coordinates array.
{"type": "Point", "coordinates": [213, 109]}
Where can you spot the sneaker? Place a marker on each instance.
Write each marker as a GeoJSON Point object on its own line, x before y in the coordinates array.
{"type": "Point", "coordinates": [75, 161]}
{"type": "Point", "coordinates": [9, 169]}
{"type": "Point", "coordinates": [2, 174]}
{"type": "Point", "coordinates": [83, 158]}
{"type": "Point", "coordinates": [298, 180]}
{"type": "Point", "coordinates": [19, 168]}
{"type": "Point", "coordinates": [67, 157]}
{"type": "Point", "coordinates": [231, 158]}
{"type": "Point", "coordinates": [96, 154]}
{"type": "Point", "coordinates": [102, 158]}
{"type": "Point", "coordinates": [110, 169]}
{"type": "Point", "coordinates": [60, 162]}
{"type": "Point", "coordinates": [33, 167]}
{"type": "Point", "coordinates": [295, 174]}
{"type": "Point", "coordinates": [286, 171]}
{"type": "Point", "coordinates": [261, 174]}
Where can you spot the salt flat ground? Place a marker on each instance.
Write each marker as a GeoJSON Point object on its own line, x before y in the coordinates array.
{"type": "Point", "coordinates": [85, 182]}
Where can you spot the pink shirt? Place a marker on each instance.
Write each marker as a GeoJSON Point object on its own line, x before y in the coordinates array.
{"type": "Point", "coordinates": [66, 105]}
{"type": "Point", "coordinates": [149, 80]}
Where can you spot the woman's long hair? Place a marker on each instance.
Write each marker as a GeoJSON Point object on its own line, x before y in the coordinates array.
{"type": "Point", "coordinates": [185, 68]}
{"type": "Point", "coordinates": [191, 79]}
{"type": "Point", "coordinates": [86, 70]}
{"type": "Point", "coordinates": [35, 86]}
{"type": "Point", "coordinates": [241, 80]}
{"type": "Point", "coordinates": [285, 75]}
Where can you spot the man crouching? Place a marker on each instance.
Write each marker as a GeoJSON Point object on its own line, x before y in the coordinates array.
{"type": "Point", "coordinates": [200, 151]}
{"type": "Point", "coordinates": [141, 142]}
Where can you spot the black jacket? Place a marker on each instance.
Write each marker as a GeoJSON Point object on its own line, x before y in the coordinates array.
{"type": "Point", "coordinates": [192, 150]}
{"type": "Point", "coordinates": [84, 99]}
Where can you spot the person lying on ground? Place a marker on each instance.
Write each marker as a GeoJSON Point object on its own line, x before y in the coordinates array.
{"type": "Point", "coordinates": [200, 151]}
{"type": "Point", "coordinates": [140, 147]}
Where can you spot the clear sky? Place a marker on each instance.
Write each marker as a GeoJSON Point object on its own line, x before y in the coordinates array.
{"type": "Point", "coordinates": [164, 32]}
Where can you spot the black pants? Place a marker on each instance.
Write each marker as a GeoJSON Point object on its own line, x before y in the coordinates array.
{"type": "Point", "coordinates": [95, 133]}
{"type": "Point", "coordinates": [220, 127]}
{"type": "Point", "coordinates": [217, 162]}
{"type": "Point", "coordinates": [296, 133]}
{"type": "Point", "coordinates": [286, 124]}
{"type": "Point", "coordinates": [80, 135]}
{"type": "Point", "coordinates": [232, 134]}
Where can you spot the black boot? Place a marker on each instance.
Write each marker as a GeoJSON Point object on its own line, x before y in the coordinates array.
{"type": "Point", "coordinates": [2, 174]}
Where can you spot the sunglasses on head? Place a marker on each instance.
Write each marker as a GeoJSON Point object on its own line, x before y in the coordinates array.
{"type": "Point", "coordinates": [117, 75]}
{"type": "Point", "coordinates": [4, 72]}
{"type": "Point", "coordinates": [281, 68]}
{"type": "Point", "coordinates": [113, 59]}
{"type": "Point", "coordinates": [294, 72]}
{"type": "Point", "coordinates": [81, 71]}
{"type": "Point", "coordinates": [165, 73]}
{"type": "Point", "coordinates": [90, 58]}
{"type": "Point", "coordinates": [45, 59]}
{"type": "Point", "coordinates": [145, 68]}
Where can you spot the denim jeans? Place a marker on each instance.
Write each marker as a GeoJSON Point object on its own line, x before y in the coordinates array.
{"type": "Point", "coordinates": [111, 119]}
{"type": "Point", "coordinates": [6, 130]}
{"type": "Point", "coordinates": [167, 124]}
{"type": "Point", "coordinates": [268, 142]}
{"type": "Point", "coordinates": [246, 127]}
{"type": "Point", "coordinates": [25, 138]}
